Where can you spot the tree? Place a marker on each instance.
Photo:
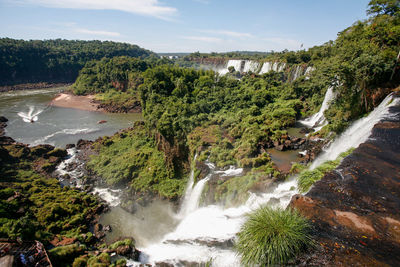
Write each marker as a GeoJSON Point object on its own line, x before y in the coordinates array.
{"type": "Point", "coordinates": [388, 7]}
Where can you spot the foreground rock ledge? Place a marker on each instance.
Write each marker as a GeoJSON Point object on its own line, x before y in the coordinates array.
{"type": "Point", "coordinates": [355, 209]}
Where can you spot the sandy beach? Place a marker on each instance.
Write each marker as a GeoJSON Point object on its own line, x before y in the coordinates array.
{"type": "Point", "coordinates": [66, 100]}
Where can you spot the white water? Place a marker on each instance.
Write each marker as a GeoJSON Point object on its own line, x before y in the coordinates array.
{"type": "Point", "coordinates": [318, 119]}
{"type": "Point", "coordinates": [308, 71]}
{"type": "Point", "coordinates": [232, 171]}
{"type": "Point", "coordinates": [30, 116]}
{"type": "Point", "coordinates": [111, 196]}
{"type": "Point", "coordinates": [63, 168]}
{"type": "Point", "coordinates": [45, 139]}
{"type": "Point", "coordinates": [272, 66]}
{"type": "Point", "coordinates": [201, 228]}
{"type": "Point", "coordinates": [236, 63]}
{"type": "Point", "coordinates": [357, 133]}
{"type": "Point", "coordinates": [250, 65]}
{"type": "Point", "coordinates": [297, 73]}
{"type": "Point", "coordinates": [195, 237]}
{"type": "Point", "coordinates": [245, 66]}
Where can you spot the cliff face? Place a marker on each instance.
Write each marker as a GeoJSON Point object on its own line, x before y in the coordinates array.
{"type": "Point", "coordinates": [355, 209]}
{"type": "Point", "coordinates": [217, 62]}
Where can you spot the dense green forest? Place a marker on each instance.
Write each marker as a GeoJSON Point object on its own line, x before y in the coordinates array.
{"type": "Point", "coordinates": [233, 122]}
{"type": "Point", "coordinates": [55, 60]}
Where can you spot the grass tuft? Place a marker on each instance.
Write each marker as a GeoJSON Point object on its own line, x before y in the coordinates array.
{"type": "Point", "coordinates": [272, 236]}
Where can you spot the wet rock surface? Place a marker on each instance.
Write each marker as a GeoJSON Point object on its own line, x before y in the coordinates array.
{"type": "Point", "coordinates": [354, 209]}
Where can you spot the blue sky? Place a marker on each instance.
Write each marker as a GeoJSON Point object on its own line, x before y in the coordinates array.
{"type": "Point", "coordinates": [184, 25]}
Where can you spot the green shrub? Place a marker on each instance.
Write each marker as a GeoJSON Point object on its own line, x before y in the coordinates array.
{"type": "Point", "coordinates": [66, 254]}
{"type": "Point", "coordinates": [271, 237]}
{"type": "Point", "coordinates": [125, 242]}
{"type": "Point", "coordinates": [308, 177]}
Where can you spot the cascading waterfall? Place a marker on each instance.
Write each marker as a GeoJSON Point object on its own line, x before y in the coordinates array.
{"type": "Point", "coordinates": [76, 173]}
{"type": "Point", "coordinates": [308, 71]}
{"type": "Point", "coordinates": [266, 67]}
{"type": "Point", "coordinates": [250, 65]}
{"type": "Point", "coordinates": [30, 116]}
{"type": "Point", "coordinates": [236, 63]}
{"type": "Point", "coordinates": [275, 66]}
{"type": "Point", "coordinates": [357, 133]}
{"type": "Point", "coordinates": [281, 67]}
{"type": "Point", "coordinates": [318, 119]}
{"type": "Point", "coordinates": [245, 66]}
{"type": "Point", "coordinates": [206, 232]}
{"type": "Point", "coordinates": [297, 73]}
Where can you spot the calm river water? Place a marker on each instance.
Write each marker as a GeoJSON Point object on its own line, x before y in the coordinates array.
{"type": "Point", "coordinates": [54, 125]}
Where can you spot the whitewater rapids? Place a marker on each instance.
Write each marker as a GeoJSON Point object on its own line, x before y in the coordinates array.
{"type": "Point", "coordinates": [204, 232]}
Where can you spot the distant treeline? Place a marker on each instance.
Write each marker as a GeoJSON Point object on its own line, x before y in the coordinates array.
{"type": "Point", "coordinates": [55, 60]}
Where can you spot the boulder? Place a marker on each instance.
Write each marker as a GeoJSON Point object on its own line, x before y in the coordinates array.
{"type": "Point", "coordinates": [41, 150]}
{"type": "Point", "coordinates": [68, 146]}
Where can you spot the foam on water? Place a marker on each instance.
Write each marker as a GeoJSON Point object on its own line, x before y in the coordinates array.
{"type": "Point", "coordinates": [232, 171]}
{"type": "Point", "coordinates": [31, 115]}
{"type": "Point", "coordinates": [65, 132]}
{"type": "Point", "coordinates": [357, 133]}
{"type": "Point", "coordinates": [111, 196]}
{"type": "Point", "coordinates": [76, 173]}
{"type": "Point", "coordinates": [318, 119]}
{"type": "Point", "coordinates": [202, 232]}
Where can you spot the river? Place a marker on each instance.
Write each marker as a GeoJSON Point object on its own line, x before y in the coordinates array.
{"type": "Point", "coordinates": [55, 125]}
{"type": "Point", "coordinates": [200, 234]}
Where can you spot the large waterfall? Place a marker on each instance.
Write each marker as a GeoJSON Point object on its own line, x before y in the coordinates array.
{"type": "Point", "coordinates": [207, 233]}
{"type": "Point", "coordinates": [244, 66]}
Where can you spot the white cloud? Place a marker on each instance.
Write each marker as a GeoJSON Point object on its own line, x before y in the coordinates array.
{"type": "Point", "coordinates": [207, 39]}
{"type": "Point", "coordinates": [229, 33]}
{"type": "Point", "coordinates": [142, 7]}
{"type": "Point", "coordinates": [99, 33]}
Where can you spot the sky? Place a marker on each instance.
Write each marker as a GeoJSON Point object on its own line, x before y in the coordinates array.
{"type": "Point", "coordinates": [184, 25]}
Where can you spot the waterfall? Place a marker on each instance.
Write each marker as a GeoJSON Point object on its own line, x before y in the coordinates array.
{"type": "Point", "coordinates": [73, 167]}
{"type": "Point", "coordinates": [297, 73]}
{"type": "Point", "coordinates": [30, 116]}
{"type": "Point", "coordinates": [308, 72]}
{"type": "Point", "coordinates": [266, 67]}
{"type": "Point", "coordinates": [318, 119]}
{"type": "Point", "coordinates": [357, 133]}
{"type": "Point", "coordinates": [192, 194]}
{"type": "Point", "coordinates": [281, 67]}
{"type": "Point", "coordinates": [250, 65]}
{"type": "Point", "coordinates": [241, 66]}
{"type": "Point", "coordinates": [275, 66]}
{"type": "Point", "coordinates": [237, 64]}
{"type": "Point", "coordinates": [208, 232]}
{"type": "Point", "coordinates": [204, 233]}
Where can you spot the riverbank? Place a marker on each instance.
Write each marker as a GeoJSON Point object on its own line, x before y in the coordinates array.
{"type": "Point", "coordinates": [68, 100]}
{"type": "Point", "coordinates": [31, 86]}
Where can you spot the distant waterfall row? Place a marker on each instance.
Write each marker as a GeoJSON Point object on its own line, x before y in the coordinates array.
{"type": "Point", "coordinates": [244, 66]}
